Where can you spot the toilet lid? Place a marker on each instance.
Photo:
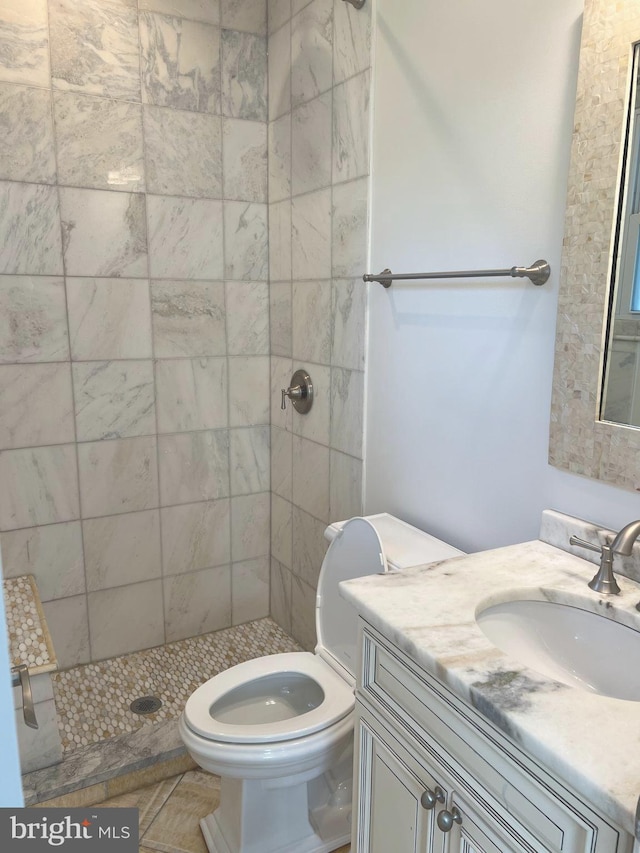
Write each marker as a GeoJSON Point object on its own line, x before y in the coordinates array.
{"type": "Point", "coordinates": [355, 552]}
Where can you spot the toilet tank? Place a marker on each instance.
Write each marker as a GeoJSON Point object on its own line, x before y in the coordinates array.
{"type": "Point", "coordinates": [404, 545]}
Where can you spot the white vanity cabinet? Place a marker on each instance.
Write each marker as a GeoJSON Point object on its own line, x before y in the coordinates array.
{"type": "Point", "coordinates": [433, 776]}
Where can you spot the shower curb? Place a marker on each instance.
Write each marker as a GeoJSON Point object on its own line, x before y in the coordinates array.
{"type": "Point", "coordinates": [114, 758]}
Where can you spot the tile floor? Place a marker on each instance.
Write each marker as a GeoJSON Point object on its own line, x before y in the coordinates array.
{"type": "Point", "coordinates": [93, 700]}
{"type": "Point", "coordinates": [170, 812]}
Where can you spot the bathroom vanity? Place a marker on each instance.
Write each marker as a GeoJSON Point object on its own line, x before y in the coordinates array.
{"type": "Point", "coordinates": [460, 747]}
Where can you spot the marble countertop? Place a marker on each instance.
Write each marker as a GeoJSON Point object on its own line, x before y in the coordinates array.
{"type": "Point", "coordinates": [591, 742]}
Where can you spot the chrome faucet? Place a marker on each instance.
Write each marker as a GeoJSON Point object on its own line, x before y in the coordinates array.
{"type": "Point", "coordinates": [604, 580]}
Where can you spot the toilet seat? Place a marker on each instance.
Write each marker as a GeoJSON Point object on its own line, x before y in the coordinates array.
{"type": "Point", "coordinates": [337, 703]}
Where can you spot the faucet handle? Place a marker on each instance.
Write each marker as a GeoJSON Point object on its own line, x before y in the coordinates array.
{"type": "Point", "coordinates": [604, 580]}
{"type": "Point", "coordinates": [575, 540]}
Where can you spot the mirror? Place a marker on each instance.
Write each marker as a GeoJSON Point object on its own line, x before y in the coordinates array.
{"type": "Point", "coordinates": [580, 440]}
{"type": "Point", "coordinates": [621, 383]}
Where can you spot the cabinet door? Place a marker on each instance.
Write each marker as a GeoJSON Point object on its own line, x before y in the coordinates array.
{"type": "Point", "coordinates": [472, 831]}
{"type": "Point", "coordinates": [393, 794]}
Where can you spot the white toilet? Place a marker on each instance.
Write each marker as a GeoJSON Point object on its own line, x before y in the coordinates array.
{"type": "Point", "coordinates": [279, 729]}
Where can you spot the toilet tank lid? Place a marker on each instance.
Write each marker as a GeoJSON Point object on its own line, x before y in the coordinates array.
{"type": "Point", "coordinates": [404, 545]}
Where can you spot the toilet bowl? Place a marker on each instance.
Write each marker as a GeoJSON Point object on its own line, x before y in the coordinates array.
{"type": "Point", "coordinates": [278, 730]}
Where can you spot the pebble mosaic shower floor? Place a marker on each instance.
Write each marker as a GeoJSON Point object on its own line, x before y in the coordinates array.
{"type": "Point", "coordinates": [93, 700]}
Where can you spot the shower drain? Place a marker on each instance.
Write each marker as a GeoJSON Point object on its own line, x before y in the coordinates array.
{"type": "Point", "coordinates": [146, 705]}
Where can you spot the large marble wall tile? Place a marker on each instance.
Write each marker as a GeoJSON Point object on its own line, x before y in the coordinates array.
{"type": "Point", "coordinates": [246, 246]}
{"type": "Point", "coordinates": [303, 613]}
{"type": "Point", "coordinates": [351, 40]}
{"type": "Point", "coordinates": [281, 462]}
{"type": "Point", "coordinates": [53, 554]}
{"type": "Point", "coordinates": [280, 595]}
{"type": "Point", "coordinates": [309, 546]}
{"type": "Point", "coordinates": [250, 16]}
{"type": "Point", "coordinates": [26, 135]}
{"type": "Point", "coordinates": [196, 536]}
{"type": "Point", "coordinates": [244, 75]}
{"type": "Point", "coordinates": [280, 241]}
{"type": "Point", "coordinates": [349, 312]}
{"type": "Point", "coordinates": [280, 72]}
{"type": "Point", "coordinates": [188, 318]}
{"type": "Point", "coordinates": [194, 467]}
{"type": "Point", "coordinates": [279, 160]}
{"type": "Point", "coordinates": [312, 51]}
{"type": "Point", "coordinates": [311, 478]}
{"type": "Point", "coordinates": [197, 10]}
{"type": "Point", "coordinates": [347, 410]}
{"type": "Point", "coordinates": [109, 319]}
{"type": "Point", "coordinates": [180, 63]}
{"type": "Point", "coordinates": [39, 486]}
{"type": "Point", "coordinates": [24, 42]}
{"type": "Point", "coordinates": [30, 241]}
{"type": "Point", "coordinates": [104, 233]}
{"type": "Point", "coordinates": [122, 549]}
{"type": "Point", "coordinates": [250, 528]}
{"type": "Point", "coordinates": [36, 405]}
{"type": "Point", "coordinates": [311, 321]}
{"type": "Point", "coordinates": [249, 460]}
{"type": "Point", "coordinates": [185, 238]}
{"type": "Point", "coordinates": [247, 317]}
{"type": "Point", "coordinates": [311, 145]}
{"type": "Point", "coordinates": [351, 128]}
{"type": "Point", "coordinates": [33, 325]}
{"type": "Point", "coordinates": [245, 160]}
{"type": "Point", "coordinates": [281, 372]}
{"type": "Point", "coordinates": [192, 394]}
{"type": "Point", "coordinates": [94, 48]}
{"type": "Point", "coordinates": [298, 5]}
{"type": "Point", "coordinates": [345, 497]}
{"type": "Point", "coordinates": [349, 228]}
{"type": "Point", "coordinates": [113, 399]}
{"type": "Point", "coordinates": [248, 382]}
{"type": "Point", "coordinates": [280, 318]}
{"type": "Point", "coordinates": [118, 476]}
{"type": "Point", "coordinates": [99, 142]}
{"type": "Point", "coordinates": [311, 235]}
{"type": "Point", "coordinates": [281, 530]}
{"type": "Point", "coordinates": [250, 590]}
{"type": "Point", "coordinates": [69, 626]}
{"type": "Point", "coordinates": [197, 602]}
{"type": "Point", "coordinates": [278, 12]}
{"type": "Point", "coordinates": [184, 152]}
{"type": "Point", "coordinates": [125, 619]}
{"type": "Point", "coordinates": [315, 425]}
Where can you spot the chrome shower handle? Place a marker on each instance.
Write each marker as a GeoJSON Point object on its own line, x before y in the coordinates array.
{"type": "Point", "coordinates": [20, 677]}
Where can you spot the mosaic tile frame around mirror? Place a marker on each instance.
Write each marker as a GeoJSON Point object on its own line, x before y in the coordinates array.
{"type": "Point", "coordinates": [578, 441]}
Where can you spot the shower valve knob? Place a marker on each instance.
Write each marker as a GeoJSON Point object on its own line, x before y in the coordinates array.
{"type": "Point", "coordinates": [300, 392]}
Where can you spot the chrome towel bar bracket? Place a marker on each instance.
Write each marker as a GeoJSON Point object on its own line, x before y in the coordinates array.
{"type": "Point", "coordinates": [537, 274]}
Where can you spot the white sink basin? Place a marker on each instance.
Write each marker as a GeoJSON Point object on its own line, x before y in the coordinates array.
{"type": "Point", "coordinates": [576, 647]}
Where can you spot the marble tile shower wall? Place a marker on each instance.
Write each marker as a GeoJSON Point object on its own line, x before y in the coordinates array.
{"type": "Point", "coordinates": [319, 81]}
{"type": "Point", "coordinates": [134, 333]}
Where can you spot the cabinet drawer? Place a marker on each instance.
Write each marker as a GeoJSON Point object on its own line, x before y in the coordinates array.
{"type": "Point", "coordinates": [483, 763]}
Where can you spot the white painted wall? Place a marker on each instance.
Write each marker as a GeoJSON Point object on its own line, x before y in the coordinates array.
{"type": "Point", "coordinates": [473, 114]}
{"type": "Point", "coordinates": [10, 785]}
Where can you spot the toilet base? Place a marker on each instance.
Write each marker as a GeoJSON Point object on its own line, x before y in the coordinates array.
{"type": "Point", "coordinates": [255, 818]}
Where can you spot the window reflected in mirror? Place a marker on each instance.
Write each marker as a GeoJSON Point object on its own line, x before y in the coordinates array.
{"type": "Point", "coordinates": [621, 389]}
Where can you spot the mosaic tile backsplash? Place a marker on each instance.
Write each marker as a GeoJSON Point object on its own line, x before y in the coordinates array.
{"type": "Point", "coordinates": [93, 700]}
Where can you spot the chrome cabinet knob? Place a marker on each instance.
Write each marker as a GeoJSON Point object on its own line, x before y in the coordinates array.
{"type": "Point", "coordinates": [445, 819]}
{"type": "Point", "coordinates": [429, 798]}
